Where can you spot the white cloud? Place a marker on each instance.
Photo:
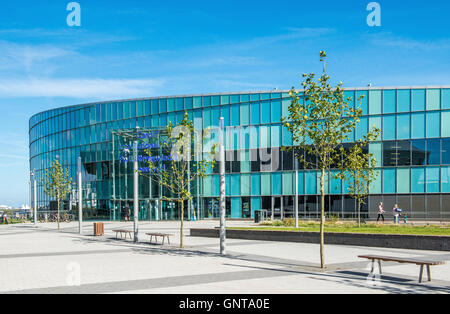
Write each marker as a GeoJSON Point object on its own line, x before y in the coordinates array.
{"type": "Point", "coordinates": [79, 88]}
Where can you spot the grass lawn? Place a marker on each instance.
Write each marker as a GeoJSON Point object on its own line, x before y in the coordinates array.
{"type": "Point", "coordinates": [367, 228]}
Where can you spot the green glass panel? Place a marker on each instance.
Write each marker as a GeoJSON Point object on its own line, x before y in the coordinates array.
{"type": "Point", "coordinates": [245, 113]}
{"type": "Point", "coordinates": [363, 103]}
{"type": "Point", "coordinates": [445, 179]}
{"type": "Point", "coordinates": [256, 184]}
{"type": "Point", "coordinates": [375, 186]}
{"type": "Point", "coordinates": [376, 149]}
{"type": "Point", "coordinates": [418, 125]}
{"type": "Point", "coordinates": [266, 187]}
{"type": "Point", "coordinates": [404, 100]}
{"type": "Point", "coordinates": [433, 179]}
{"type": "Point", "coordinates": [171, 104]}
{"type": "Point", "coordinates": [197, 102]}
{"type": "Point", "coordinates": [389, 101]}
{"type": "Point", "coordinates": [288, 183]}
{"type": "Point", "coordinates": [225, 99]}
{"type": "Point", "coordinates": [418, 99]}
{"type": "Point", "coordinates": [403, 180]}
{"type": "Point", "coordinates": [446, 99]}
{"type": "Point", "coordinates": [245, 184]}
{"type": "Point", "coordinates": [433, 99]}
{"type": "Point", "coordinates": [403, 126]}
{"type": "Point", "coordinates": [445, 125]}
{"type": "Point", "coordinates": [433, 124]}
{"type": "Point", "coordinates": [276, 184]}
{"type": "Point", "coordinates": [375, 102]}
{"type": "Point", "coordinates": [418, 180]}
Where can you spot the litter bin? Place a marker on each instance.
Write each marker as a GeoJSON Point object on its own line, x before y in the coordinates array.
{"type": "Point", "coordinates": [99, 229]}
{"type": "Point", "coordinates": [258, 216]}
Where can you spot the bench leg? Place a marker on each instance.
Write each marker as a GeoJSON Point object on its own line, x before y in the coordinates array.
{"type": "Point", "coordinates": [421, 274]}
{"type": "Point", "coordinates": [164, 238]}
{"type": "Point", "coordinates": [168, 240]}
{"type": "Point", "coordinates": [373, 267]}
{"type": "Point", "coordinates": [379, 267]}
{"type": "Point", "coordinates": [429, 272]}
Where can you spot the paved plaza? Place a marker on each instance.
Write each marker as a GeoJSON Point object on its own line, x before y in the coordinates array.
{"type": "Point", "coordinates": [42, 260]}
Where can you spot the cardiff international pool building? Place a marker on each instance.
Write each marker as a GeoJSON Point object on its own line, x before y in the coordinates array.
{"type": "Point", "coordinates": [413, 155]}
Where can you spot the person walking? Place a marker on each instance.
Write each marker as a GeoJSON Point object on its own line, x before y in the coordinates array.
{"type": "Point", "coordinates": [395, 212]}
{"type": "Point", "coordinates": [380, 212]}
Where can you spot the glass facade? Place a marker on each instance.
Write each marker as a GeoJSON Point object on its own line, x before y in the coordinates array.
{"type": "Point", "coordinates": [413, 155]}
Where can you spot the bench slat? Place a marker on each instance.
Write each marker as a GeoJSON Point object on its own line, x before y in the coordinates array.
{"type": "Point", "coordinates": [402, 260]}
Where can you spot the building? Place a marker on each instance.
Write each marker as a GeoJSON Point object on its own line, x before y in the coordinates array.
{"type": "Point", "coordinates": [413, 154]}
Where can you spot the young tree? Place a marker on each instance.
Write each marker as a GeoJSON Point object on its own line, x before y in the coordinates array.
{"type": "Point", "coordinates": [56, 183]}
{"type": "Point", "coordinates": [359, 169]}
{"type": "Point", "coordinates": [320, 120]}
{"type": "Point", "coordinates": [185, 165]}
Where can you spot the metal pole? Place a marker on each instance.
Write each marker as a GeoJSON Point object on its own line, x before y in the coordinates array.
{"type": "Point", "coordinates": [29, 195]}
{"type": "Point", "coordinates": [222, 188]}
{"type": "Point", "coordinates": [136, 192]}
{"type": "Point", "coordinates": [80, 198]}
{"type": "Point", "coordinates": [34, 199]}
{"type": "Point", "coordinates": [296, 199]}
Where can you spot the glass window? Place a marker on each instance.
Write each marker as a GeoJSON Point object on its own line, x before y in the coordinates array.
{"type": "Point", "coordinates": [188, 103]}
{"type": "Point", "coordinates": [390, 153]}
{"type": "Point", "coordinates": [245, 98]}
{"type": "Point", "coordinates": [206, 117]}
{"type": "Point", "coordinates": [375, 121]}
{"type": "Point", "coordinates": [265, 108]}
{"type": "Point", "coordinates": [403, 126]}
{"type": "Point", "coordinates": [224, 99]}
{"type": "Point", "coordinates": [236, 209]}
{"type": "Point", "coordinates": [256, 204]}
{"type": "Point", "coordinates": [225, 113]}
{"type": "Point", "coordinates": [287, 137]}
{"type": "Point", "coordinates": [375, 102]}
{"type": "Point", "coordinates": [179, 104]}
{"type": "Point", "coordinates": [389, 98]}
{"type": "Point", "coordinates": [418, 125]}
{"type": "Point", "coordinates": [433, 176]}
{"type": "Point", "coordinates": [404, 153]}
{"type": "Point", "coordinates": [376, 150]}
{"type": "Point", "coordinates": [348, 96]}
{"type": "Point", "coordinates": [162, 105]}
{"type": "Point", "coordinates": [434, 152]}
{"type": "Point", "coordinates": [445, 179]}
{"type": "Point", "coordinates": [171, 104]}
{"type": "Point", "coordinates": [403, 180]}
{"type": "Point", "coordinates": [276, 136]}
{"type": "Point", "coordinates": [197, 102]}
{"type": "Point", "coordinates": [235, 184]}
{"type": "Point", "coordinates": [418, 180]}
{"type": "Point", "coordinates": [445, 124]}
{"type": "Point", "coordinates": [245, 184]}
{"type": "Point", "coordinates": [254, 113]}
{"type": "Point", "coordinates": [256, 184]}
{"type": "Point", "coordinates": [206, 101]}
{"type": "Point", "coordinates": [276, 111]}
{"type": "Point", "coordinates": [155, 106]}
{"type": "Point", "coordinates": [433, 99]}
{"type": "Point", "coordinates": [433, 124]}
{"type": "Point", "coordinates": [311, 182]}
{"type": "Point", "coordinates": [389, 181]}
{"type": "Point", "coordinates": [418, 99]}
{"type": "Point", "coordinates": [254, 137]}
{"type": "Point", "coordinates": [234, 99]}
{"type": "Point", "coordinates": [266, 187]}
{"type": "Point", "coordinates": [245, 114]}
{"type": "Point", "coordinates": [276, 183]}
{"type": "Point", "coordinates": [445, 151]}
{"type": "Point", "coordinates": [285, 108]}
{"type": "Point", "coordinates": [288, 183]}
{"type": "Point", "coordinates": [389, 127]}
{"type": "Point", "coordinates": [446, 99]}
{"type": "Point", "coordinates": [254, 97]}
{"type": "Point", "coordinates": [215, 112]}
{"type": "Point", "coordinates": [335, 184]}
{"type": "Point", "coordinates": [418, 153]}
{"type": "Point", "coordinates": [362, 104]}
{"type": "Point", "coordinates": [301, 185]}
{"type": "Point", "coordinates": [404, 100]}
{"type": "Point", "coordinates": [362, 128]}
{"type": "Point", "coordinates": [235, 115]}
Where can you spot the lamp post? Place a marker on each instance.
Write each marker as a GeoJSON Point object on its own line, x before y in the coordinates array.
{"type": "Point", "coordinates": [222, 187]}
{"type": "Point", "coordinates": [80, 198]}
{"type": "Point", "coordinates": [33, 179]}
{"type": "Point", "coordinates": [136, 192]}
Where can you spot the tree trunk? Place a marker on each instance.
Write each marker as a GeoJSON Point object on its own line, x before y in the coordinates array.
{"type": "Point", "coordinates": [322, 219]}
{"type": "Point", "coordinates": [182, 222]}
{"type": "Point", "coordinates": [57, 215]}
{"type": "Point", "coordinates": [359, 213]}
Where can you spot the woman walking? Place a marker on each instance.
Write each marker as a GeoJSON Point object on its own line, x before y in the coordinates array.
{"type": "Point", "coordinates": [380, 212]}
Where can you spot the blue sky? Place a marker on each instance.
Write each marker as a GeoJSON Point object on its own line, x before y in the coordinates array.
{"type": "Point", "coordinates": [127, 49]}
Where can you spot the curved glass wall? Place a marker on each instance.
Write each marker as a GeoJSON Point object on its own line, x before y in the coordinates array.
{"type": "Point", "coordinates": [413, 155]}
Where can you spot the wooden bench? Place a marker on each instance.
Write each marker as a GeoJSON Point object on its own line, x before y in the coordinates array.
{"type": "Point", "coordinates": [416, 261]}
{"type": "Point", "coordinates": [160, 235]}
{"type": "Point", "coordinates": [123, 232]}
